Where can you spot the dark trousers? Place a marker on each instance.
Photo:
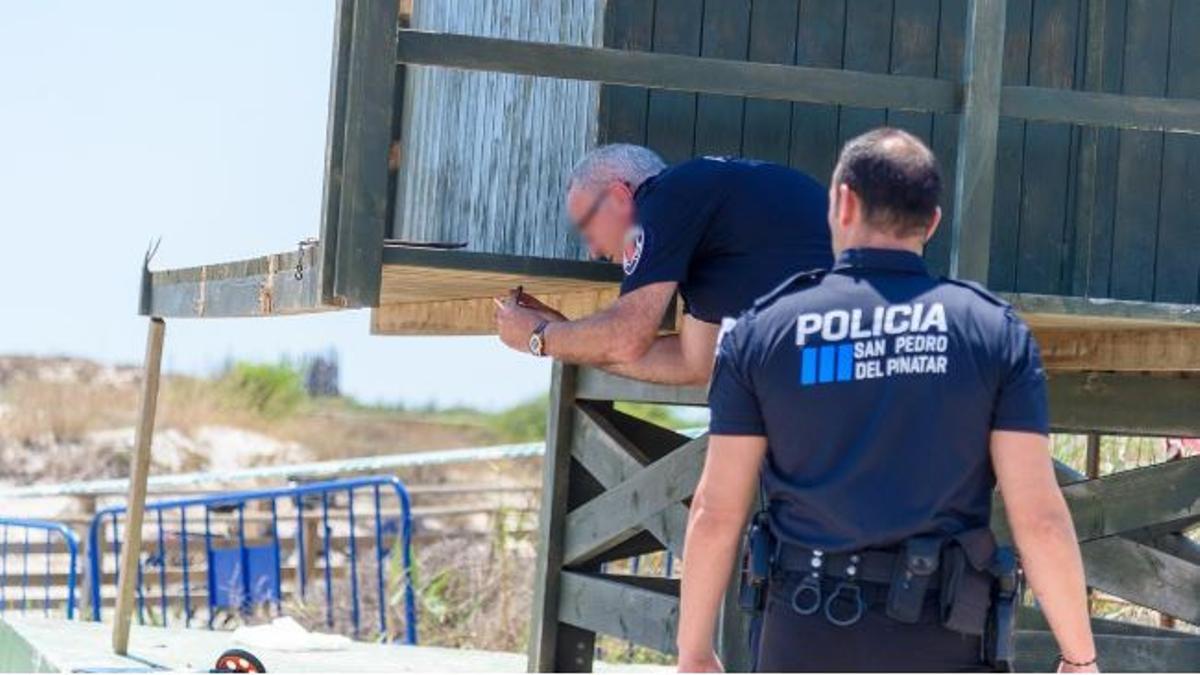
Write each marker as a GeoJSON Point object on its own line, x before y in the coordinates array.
{"type": "Point", "coordinates": [792, 642]}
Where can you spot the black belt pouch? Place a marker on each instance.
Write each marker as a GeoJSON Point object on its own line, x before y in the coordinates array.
{"type": "Point", "coordinates": [911, 577]}
{"type": "Point", "coordinates": [966, 593]}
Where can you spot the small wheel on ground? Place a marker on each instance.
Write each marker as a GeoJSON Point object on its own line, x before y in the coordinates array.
{"type": "Point", "coordinates": [238, 661]}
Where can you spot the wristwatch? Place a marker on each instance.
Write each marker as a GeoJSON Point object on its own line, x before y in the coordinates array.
{"type": "Point", "coordinates": [537, 339]}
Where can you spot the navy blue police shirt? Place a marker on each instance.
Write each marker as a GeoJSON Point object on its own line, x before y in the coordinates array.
{"type": "Point", "coordinates": [727, 230]}
{"type": "Point", "coordinates": [877, 387]}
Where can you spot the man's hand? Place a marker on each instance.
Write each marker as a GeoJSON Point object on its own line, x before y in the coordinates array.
{"type": "Point", "coordinates": [545, 311]}
{"type": "Point", "coordinates": [700, 663]}
{"type": "Point", "coordinates": [515, 323]}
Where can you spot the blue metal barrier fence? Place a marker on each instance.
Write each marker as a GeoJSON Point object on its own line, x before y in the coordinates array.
{"type": "Point", "coordinates": [34, 535]}
{"type": "Point", "coordinates": [249, 575]}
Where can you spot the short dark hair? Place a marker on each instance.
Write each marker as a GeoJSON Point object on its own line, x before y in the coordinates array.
{"type": "Point", "coordinates": [896, 177]}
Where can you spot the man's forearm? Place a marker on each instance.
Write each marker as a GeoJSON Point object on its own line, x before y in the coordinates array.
{"type": "Point", "coordinates": [1052, 563]}
{"type": "Point", "coordinates": [598, 340]}
{"type": "Point", "coordinates": [708, 560]}
{"type": "Point", "coordinates": [665, 362]}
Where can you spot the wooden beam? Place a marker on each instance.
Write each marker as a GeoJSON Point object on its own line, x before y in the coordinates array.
{"type": "Point", "coordinates": [1125, 403]}
{"type": "Point", "coordinates": [476, 316]}
{"type": "Point", "coordinates": [605, 605]}
{"type": "Point", "coordinates": [361, 99]}
{"type": "Point", "coordinates": [556, 465]}
{"type": "Point", "coordinates": [1048, 310]}
{"type": "Point", "coordinates": [1031, 618]}
{"type": "Point", "coordinates": [975, 185]}
{"type": "Point", "coordinates": [598, 385]}
{"type": "Point", "coordinates": [681, 73]}
{"type": "Point", "coordinates": [264, 286]}
{"type": "Point", "coordinates": [617, 514]}
{"type": "Point", "coordinates": [1037, 651]}
{"type": "Point", "coordinates": [136, 500]}
{"type": "Point", "coordinates": [1161, 350]}
{"type": "Point", "coordinates": [1144, 576]}
{"type": "Point", "coordinates": [1173, 115]}
{"type": "Point", "coordinates": [611, 458]}
{"type": "Point", "coordinates": [1135, 499]}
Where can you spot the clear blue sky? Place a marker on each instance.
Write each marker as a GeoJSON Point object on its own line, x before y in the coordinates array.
{"type": "Point", "coordinates": [202, 122]}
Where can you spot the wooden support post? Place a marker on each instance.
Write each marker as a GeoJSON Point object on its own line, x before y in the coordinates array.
{"type": "Point", "coordinates": [136, 501]}
{"type": "Point", "coordinates": [975, 186]}
{"type": "Point", "coordinates": [554, 646]}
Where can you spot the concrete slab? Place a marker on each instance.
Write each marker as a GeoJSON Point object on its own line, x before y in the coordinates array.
{"type": "Point", "coordinates": [29, 644]}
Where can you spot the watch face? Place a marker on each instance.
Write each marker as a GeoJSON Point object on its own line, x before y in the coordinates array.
{"type": "Point", "coordinates": [535, 344]}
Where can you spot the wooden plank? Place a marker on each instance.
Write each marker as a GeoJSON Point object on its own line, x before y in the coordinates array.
{"type": "Point", "coordinates": [1031, 618]}
{"type": "Point", "coordinates": [1171, 350]}
{"type": "Point", "coordinates": [1125, 403]}
{"type": "Point", "coordinates": [1116, 313]}
{"type": "Point", "coordinates": [1096, 57]}
{"type": "Point", "coordinates": [678, 73]}
{"type": "Point", "coordinates": [598, 385]}
{"type": "Point", "coordinates": [725, 35]}
{"type": "Point", "coordinates": [1047, 153]}
{"type": "Point", "coordinates": [265, 286]}
{"type": "Point", "coordinates": [1147, 113]}
{"type": "Point", "coordinates": [950, 61]}
{"type": "Point", "coordinates": [671, 115]}
{"type": "Point", "coordinates": [868, 29]}
{"type": "Point", "coordinates": [138, 474]}
{"type": "Point", "coordinates": [1177, 267]}
{"type": "Point", "coordinates": [602, 604]}
{"type": "Point", "coordinates": [628, 24]}
{"type": "Point", "coordinates": [820, 38]}
{"type": "Point", "coordinates": [1135, 499]}
{"type": "Point", "coordinates": [476, 316]}
{"type": "Point", "coordinates": [1037, 651]}
{"type": "Point", "coordinates": [1010, 153]}
{"type": "Point", "coordinates": [556, 464]}
{"type": "Point", "coordinates": [1144, 576]}
{"type": "Point", "coordinates": [766, 132]}
{"type": "Point", "coordinates": [914, 52]}
{"type": "Point", "coordinates": [1139, 163]}
{"type": "Point", "coordinates": [617, 514]}
{"type": "Point", "coordinates": [975, 177]}
{"type": "Point", "coordinates": [612, 459]}
{"type": "Point", "coordinates": [354, 211]}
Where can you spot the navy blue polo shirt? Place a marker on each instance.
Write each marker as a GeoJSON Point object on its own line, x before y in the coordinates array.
{"type": "Point", "coordinates": [727, 230]}
{"type": "Point", "coordinates": [877, 387]}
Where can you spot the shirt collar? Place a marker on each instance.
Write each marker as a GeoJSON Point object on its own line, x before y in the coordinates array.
{"type": "Point", "coordinates": [892, 260]}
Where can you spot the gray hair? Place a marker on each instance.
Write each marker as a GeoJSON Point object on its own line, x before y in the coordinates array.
{"type": "Point", "coordinates": [618, 162]}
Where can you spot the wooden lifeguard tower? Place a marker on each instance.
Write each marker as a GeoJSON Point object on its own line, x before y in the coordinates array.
{"type": "Point", "coordinates": [1067, 130]}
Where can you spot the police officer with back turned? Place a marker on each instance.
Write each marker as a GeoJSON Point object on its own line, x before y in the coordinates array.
{"type": "Point", "coordinates": [882, 405]}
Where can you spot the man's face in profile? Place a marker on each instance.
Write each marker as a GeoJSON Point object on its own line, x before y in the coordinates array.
{"type": "Point", "coordinates": [603, 217]}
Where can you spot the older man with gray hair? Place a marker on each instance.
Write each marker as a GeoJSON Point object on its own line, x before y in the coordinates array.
{"type": "Point", "coordinates": [720, 231]}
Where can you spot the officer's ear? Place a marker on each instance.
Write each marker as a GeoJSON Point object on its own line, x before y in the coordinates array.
{"type": "Point", "coordinates": [933, 224]}
{"type": "Point", "coordinates": [847, 206]}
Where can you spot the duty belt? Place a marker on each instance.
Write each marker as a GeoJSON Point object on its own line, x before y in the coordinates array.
{"type": "Point", "coordinates": [908, 573]}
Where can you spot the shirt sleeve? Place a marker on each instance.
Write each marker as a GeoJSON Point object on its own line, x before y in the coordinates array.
{"type": "Point", "coordinates": [1021, 404]}
{"type": "Point", "coordinates": [732, 401]}
{"type": "Point", "coordinates": [670, 227]}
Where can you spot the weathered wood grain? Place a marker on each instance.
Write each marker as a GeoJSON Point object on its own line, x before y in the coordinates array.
{"type": "Point", "coordinates": [361, 111]}
{"type": "Point", "coordinates": [975, 177]}
{"type": "Point", "coordinates": [1125, 403]}
{"type": "Point", "coordinates": [605, 452]}
{"type": "Point", "coordinates": [1144, 576]}
{"type": "Point", "coordinates": [598, 385]}
{"type": "Point", "coordinates": [617, 514]}
{"type": "Point", "coordinates": [679, 73]}
{"type": "Point", "coordinates": [1037, 652]}
{"type": "Point", "coordinates": [1139, 350]}
{"type": "Point", "coordinates": [604, 604]}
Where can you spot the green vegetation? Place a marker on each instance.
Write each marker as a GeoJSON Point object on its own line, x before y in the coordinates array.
{"type": "Point", "coordinates": [271, 390]}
